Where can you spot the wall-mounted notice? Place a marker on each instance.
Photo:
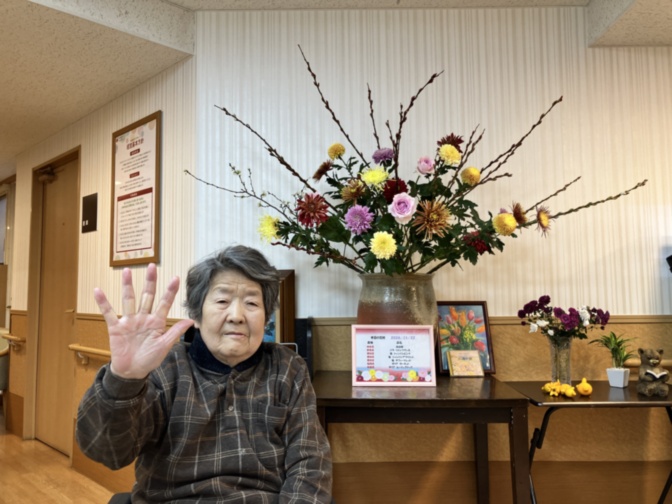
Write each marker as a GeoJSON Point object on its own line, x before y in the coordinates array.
{"type": "Point", "coordinates": [136, 177]}
{"type": "Point", "coordinates": [393, 355]}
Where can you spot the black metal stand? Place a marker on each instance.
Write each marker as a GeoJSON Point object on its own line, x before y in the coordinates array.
{"type": "Point", "coordinates": [668, 484]}
{"type": "Point", "coordinates": [537, 442]}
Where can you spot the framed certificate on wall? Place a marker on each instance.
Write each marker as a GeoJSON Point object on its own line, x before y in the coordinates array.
{"type": "Point", "coordinates": [136, 181]}
{"type": "Point", "coordinates": [393, 355]}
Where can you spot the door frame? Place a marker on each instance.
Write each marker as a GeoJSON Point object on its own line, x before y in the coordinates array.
{"type": "Point", "coordinates": [34, 276]}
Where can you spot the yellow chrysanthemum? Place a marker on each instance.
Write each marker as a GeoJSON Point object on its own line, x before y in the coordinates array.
{"type": "Point", "coordinates": [268, 228]}
{"type": "Point", "coordinates": [336, 150]}
{"type": "Point", "coordinates": [543, 220]}
{"type": "Point", "coordinates": [505, 224]}
{"type": "Point", "coordinates": [375, 177]}
{"type": "Point", "coordinates": [450, 155]}
{"type": "Point", "coordinates": [471, 176]}
{"type": "Point", "coordinates": [383, 245]}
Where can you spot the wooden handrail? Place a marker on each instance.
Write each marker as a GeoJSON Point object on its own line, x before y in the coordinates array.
{"type": "Point", "coordinates": [14, 341]}
{"type": "Point", "coordinates": [82, 352]}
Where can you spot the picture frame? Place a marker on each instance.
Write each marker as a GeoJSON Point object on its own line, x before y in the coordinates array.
{"type": "Point", "coordinates": [136, 193]}
{"type": "Point", "coordinates": [393, 356]}
{"type": "Point", "coordinates": [280, 327]}
{"type": "Point", "coordinates": [464, 325]}
{"type": "Point", "coordinates": [464, 363]}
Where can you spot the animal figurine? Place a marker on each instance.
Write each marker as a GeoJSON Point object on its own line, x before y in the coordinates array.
{"type": "Point", "coordinates": [652, 377]}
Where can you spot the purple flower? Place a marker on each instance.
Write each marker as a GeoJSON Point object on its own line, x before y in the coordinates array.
{"type": "Point", "coordinates": [521, 314]}
{"type": "Point", "coordinates": [530, 307]}
{"type": "Point", "coordinates": [426, 165]}
{"type": "Point", "coordinates": [358, 219]}
{"type": "Point", "coordinates": [384, 154]}
{"type": "Point", "coordinates": [544, 300]}
{"type": "Point", "coordinates": [558, 312]}
{"type": "Point", "coordinates": [403, 207]}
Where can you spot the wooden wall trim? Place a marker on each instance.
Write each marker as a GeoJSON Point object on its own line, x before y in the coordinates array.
{"type": "Point", "coordinates": [509, 321]}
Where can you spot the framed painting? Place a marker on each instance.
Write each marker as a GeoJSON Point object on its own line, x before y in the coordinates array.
{"type": "Point", "coordinates": [463, 325]}
{"type": "Point", "coordinates": [280, 327]}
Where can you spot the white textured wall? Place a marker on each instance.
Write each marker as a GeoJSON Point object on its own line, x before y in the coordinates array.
{"type": "Point", "coordinates": [171, 91]}
{"type": "Point", "coordinates": [502, 69]}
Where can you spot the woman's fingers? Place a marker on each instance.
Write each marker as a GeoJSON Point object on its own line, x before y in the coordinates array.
{"type": "Point", "coordinates": [148, 293]}
{"type": "Point", "coordinates": [168, 298]}
{"type": "Point", "coordinates": [105, 307]}
{"type": "Point", "coordinates": [127, 293]}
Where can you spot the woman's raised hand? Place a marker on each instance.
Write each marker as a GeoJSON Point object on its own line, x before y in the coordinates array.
{"type": "Point", "coordinates": [139, 340]}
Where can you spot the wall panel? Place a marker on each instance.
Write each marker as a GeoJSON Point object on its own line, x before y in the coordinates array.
{"type": "Point", "coordinates": [502, 69]}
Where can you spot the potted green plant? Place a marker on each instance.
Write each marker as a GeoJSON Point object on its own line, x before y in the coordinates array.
{"type": "Point", "coordinates": [618, 346]}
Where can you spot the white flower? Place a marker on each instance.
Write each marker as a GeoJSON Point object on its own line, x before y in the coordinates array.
{"type": "Point", "coordinates": [551, 332]}
{"type": "Point", "coordinates": [584, 314]}
{"type": "Point", "coordinates": [586, 323]}
{"type": "Point", "coordinates": [533, 327]}
{"type": "Point", "coordinates": [542, 323]}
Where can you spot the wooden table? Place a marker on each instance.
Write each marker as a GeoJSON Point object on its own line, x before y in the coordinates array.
{"type": "Point", "coordinates": [478, 401]}
{"type": "Point", "coordinates": [603, 396]}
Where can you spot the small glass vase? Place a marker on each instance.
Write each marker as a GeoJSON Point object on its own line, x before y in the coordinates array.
{"type": "Point", "coordinates": [561, 359]}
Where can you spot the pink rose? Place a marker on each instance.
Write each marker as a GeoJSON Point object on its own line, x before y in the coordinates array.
{"type": "Point", "coordinates": [402, 207]}
{"type": "Point", "coordinates": [426, 165]}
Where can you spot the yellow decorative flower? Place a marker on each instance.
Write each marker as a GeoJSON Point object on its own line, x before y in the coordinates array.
{"type": "Point", "coordinates": [268, 228]}
{"type": "Point", "coordinates": [336, 150]}
{"type": "Point", "coordinates": [543, 220]}
{"type": "Point", "coordinates": [471, 176]}
{"type": "Point", "coordinates": [383, 245]}
{"type": "Point", "coordinates": [375, 177]}
{"type": "Point", "coordinates": [450, 155]}
{"type": "Point", "coordinates": [505, 224]}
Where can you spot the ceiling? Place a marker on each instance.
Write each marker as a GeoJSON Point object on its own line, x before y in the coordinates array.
{"type": "Point", "coordinates": [57, 68]}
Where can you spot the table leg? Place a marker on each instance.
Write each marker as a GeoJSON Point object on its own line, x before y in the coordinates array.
{"type": "Point", "coordinates": [520, 462]}
{"type": "Point", "coordinates": [322, 417]}
{"type": "Point", "coordinates": [482, 463]}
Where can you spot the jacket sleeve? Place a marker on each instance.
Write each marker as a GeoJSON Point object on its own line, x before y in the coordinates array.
{"type": "Point", "coordinates": [116, 417]}
{"type": "Point", "coordinates": [308, 463]}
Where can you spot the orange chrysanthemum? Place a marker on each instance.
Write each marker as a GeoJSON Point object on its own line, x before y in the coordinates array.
{"type": "Point", "coordinates": [432, 218]}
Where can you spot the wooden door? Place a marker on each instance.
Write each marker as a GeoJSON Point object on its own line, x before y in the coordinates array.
{"type": "Point", "coordinates": [57, 301]}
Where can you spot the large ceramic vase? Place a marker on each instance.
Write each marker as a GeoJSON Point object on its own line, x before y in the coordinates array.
{"type": "Point", "coordinates": [397, 300]}
{"type": "Point", "coordinates": [561, 359]}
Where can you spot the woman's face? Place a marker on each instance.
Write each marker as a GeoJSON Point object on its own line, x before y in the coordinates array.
{"type": "Point", "coordinates": [233, 320]}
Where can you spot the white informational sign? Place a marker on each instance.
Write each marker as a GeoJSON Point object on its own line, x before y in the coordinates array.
{"type": "Point", "coordinates": [386, 355]}
{"type": "Point", "coordinates": [135, 198]}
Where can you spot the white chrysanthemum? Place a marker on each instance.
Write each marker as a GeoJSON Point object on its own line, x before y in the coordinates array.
{"type": "Point", "coordinates": [533, 327]}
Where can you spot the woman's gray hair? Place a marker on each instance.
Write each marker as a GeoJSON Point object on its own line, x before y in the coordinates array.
{"type": "Point", "coordinates": [245, 260]}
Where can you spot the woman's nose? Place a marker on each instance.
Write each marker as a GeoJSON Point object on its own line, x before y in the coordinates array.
{"type": "Point", "coordinates": [235, 312]}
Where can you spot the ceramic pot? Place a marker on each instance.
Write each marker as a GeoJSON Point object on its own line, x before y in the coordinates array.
{"type": "Point", "coordinates": [618, 377]}
{"type": "Point", "coordinates": [397, 300]}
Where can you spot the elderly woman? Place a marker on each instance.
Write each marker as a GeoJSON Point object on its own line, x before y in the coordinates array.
{"type": "Point", "coordinates": [226, 418]}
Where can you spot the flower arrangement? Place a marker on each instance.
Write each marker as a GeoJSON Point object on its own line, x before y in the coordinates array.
{"type": "Point", "coordinates": [558, 324]}
{"type": "Point", "coordinates": [371, 219]}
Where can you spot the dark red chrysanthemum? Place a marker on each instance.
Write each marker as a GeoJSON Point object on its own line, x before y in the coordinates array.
{"type": "Point", "coordinates": [322, 170]}
{"type": "Point", "coordinates": [453, 140]}
{"type": "Point", "coordinates": [392, 188]}
{"type": "Point", "coordinates": [312, 210]}
{"type": "Point", "coordinates": [474, 240]}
